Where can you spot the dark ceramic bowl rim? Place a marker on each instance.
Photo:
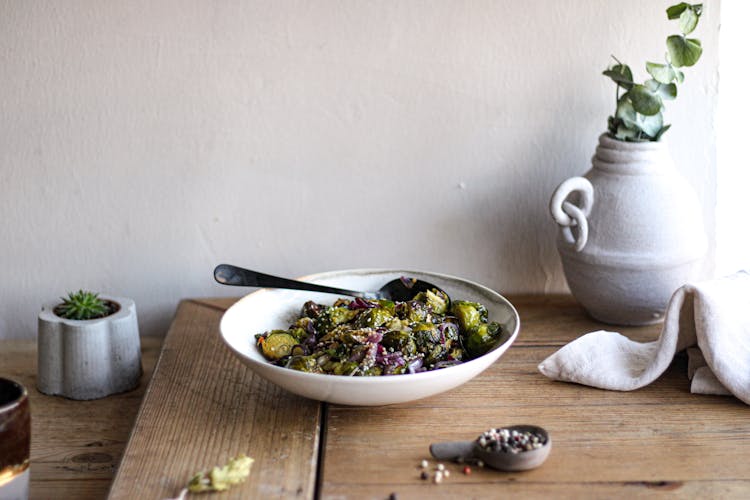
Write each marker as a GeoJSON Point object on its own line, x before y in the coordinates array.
{"type": "Point", "coordinates": [22, 394]}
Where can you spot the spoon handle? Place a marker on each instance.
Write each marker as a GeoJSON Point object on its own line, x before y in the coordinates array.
{"type": "Point", "coordinates": [452, 450]}
{"type": "Point", "coordinates": [227, 274]}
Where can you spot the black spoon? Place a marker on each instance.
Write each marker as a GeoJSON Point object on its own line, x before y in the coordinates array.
{"type": "Point", "coordinates": [400, 289]}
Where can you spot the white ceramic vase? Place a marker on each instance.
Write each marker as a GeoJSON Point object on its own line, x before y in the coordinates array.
{"type": "Point", "coordinates": [631, 232]}
{"type": "Point", "coordinates": [89, 359]}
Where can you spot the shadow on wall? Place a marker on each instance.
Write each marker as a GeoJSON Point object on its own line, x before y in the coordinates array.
{"type": "Point", "coordinates": [514, 232]}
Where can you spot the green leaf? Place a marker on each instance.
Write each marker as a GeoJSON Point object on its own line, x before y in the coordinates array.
{"type": "Point", "coordinates": [668, 91]}
{"type": "Point", "coordinates": [82, 305]}
{"type": "Point", "coordinates": [625, 111]}
{"type": "Point", "coordinates": [688, 21]}
{"type": "Point", "coordinates": [625, 134]}
{"type": "Point", "coordinates": [675, 11]}
{"type": "Point", "coordinates": [630, 120]}
{"type": "Point", "coordinates": [644, 101]}
{"type": "Point", "coordinates": [665, 91]}
{"type": "Point", "coordinates": [651, 125]}
{"type": "Point", "coordinates": [679, 75]}
{"type": "Point", "coordinates": [621, 75]}
{"type": "Point", "coordinates": [663, 73]}
{"type": "Point", "coordinates": [661, 132]}
{"type": "Point", "coordinates": [612, 124]}
{"type": "Point", "coordinates": [683, 51]}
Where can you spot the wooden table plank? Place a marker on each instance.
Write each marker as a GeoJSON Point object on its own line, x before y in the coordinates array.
{"type": "Point", "coordinates": [470, 488]}
{"type": "Point", "coordinates": [607, 444]}
{"type": "Point", "coordinates": [203, 406]}
{"type": "Point", "coordinates": [555, 320]}
{"type": "Point", "coordinates": [75, 445]}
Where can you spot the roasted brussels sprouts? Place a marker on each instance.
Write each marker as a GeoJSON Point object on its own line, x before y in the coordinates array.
{"type": "Point", "coordinates": [277, 345]}
{"type": "Point", "coordinates": [372, 318]}
{"type": "Point", "coordinates": [388, 305]}
{"type": "Point", "coordinates": [345, 368]}
{"type": "Point", "coordinates": [468, 314]}
{"type": "Point", "coordinates": [450, 331]}
{"type": "Point", "coordinates": [437, 352]}
{"type": "Point", "coordinates": [303, 363]}
{"type": "Point", "coordinates": [300, 350]}
{"type": "Point", "coordinates": [399, 340]}
{"type": "Point", "coordinates": [373, 371]}
{"type": "Point", "coordinates": [456, 353]}
{"type": "Point", "coordinates": [358, 337]}
{"type": "Point", "coordinates": [436, 300]}
{"type": "Point", "coordinates": [426, 335]}
{"type": "Point", "coordinates": [482, 338]}
{"type": "Point", "coordinates": [331, 317]}
{"type": "Point", "coordinates": [297, 332]}
{"type": "Point", "coordinates": [412, 311]}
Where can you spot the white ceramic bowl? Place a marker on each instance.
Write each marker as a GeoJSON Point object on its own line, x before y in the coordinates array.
{"type": "Point", "coordinates": [269, 309]}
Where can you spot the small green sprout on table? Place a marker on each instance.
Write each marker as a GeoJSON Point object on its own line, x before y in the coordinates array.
{"type": "Point", "coordinates": [219, 478]}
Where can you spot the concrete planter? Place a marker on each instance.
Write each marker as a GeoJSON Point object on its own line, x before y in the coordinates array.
{"type": "Point", "coordinates": [89, 359]}
{"type": "Point", "coordinates": [631, 233]}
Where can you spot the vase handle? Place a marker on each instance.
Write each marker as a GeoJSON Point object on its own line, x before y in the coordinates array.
{"type": "Point", "coordinates": [566, 214]}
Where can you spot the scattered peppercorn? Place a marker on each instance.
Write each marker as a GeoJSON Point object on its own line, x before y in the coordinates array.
{"type": "Point", "coordinates": [424, 464]}
{"type": "Point", "coordinates": [393, 496]}
{"type": "Point", "coordinates": [440, 467]}
{"type": "Point", "coordinates": [438, 477]}
{"type": "Point", "coordinates": [424, 475]}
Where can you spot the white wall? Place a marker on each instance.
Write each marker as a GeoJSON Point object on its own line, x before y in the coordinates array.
{"type": "Point", "coordinates": [733, 173]}
{"type": "Point", "coordinates": [143, 142]}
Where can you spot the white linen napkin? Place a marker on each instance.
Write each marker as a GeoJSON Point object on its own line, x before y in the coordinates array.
{"type": "Point", "coordinates": [710, 319]}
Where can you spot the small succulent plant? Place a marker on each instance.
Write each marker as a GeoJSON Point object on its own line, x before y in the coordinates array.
{"type": "Point", "coordinates": [83, 305]}
{"type": "Point", "coordinates": [638, 116]}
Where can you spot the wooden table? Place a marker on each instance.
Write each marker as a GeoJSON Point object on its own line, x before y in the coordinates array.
{"type": "Point", "coordinates": [75, 445]}
{"type": "Point", "coordinates": [203, 406]}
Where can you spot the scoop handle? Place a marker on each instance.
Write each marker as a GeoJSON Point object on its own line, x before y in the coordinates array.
{"type": "Point", "coordinates": [227, 274]}
{"type": "Point", "coordinates": [452, 450]}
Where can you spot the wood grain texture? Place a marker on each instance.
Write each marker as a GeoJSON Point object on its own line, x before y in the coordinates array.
{"type": "Point", "coordinates": [203, 407]}
{"type": "Point", "coordinates": [75, 445]}
{"type": "Point", "coordinates": [659, 440]}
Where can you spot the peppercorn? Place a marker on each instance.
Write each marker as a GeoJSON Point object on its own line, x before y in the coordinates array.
{"type": "Point", "coordinates": [512, 441]}
{"type": "Point", "coordinates": [424, 475]}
